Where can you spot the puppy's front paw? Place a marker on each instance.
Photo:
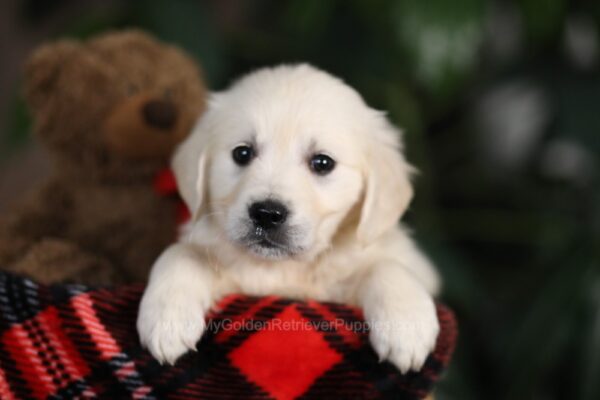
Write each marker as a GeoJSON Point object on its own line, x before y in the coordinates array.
{"type": "Point", "coordinates": [169, 326]}
{"type": "Point", "coordinates": [404, 336]}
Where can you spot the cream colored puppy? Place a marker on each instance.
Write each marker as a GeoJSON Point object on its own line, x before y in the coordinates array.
{"type": "Point", "coordinates": [296, 188]}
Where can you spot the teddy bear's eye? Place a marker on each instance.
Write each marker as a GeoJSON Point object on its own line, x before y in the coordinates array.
{"type": "Point", "coordinates": [132, 89]}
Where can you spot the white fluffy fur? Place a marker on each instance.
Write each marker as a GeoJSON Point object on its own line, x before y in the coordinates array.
{"type": "Point", "coordinates": [347, 246]}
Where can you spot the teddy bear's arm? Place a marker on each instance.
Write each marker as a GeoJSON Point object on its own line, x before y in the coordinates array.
{"type": "Point", "coordinates": [43, 214]}
{"type": "Point", "coordinates": [54, 260]}
{"type": "Point", "coordinates": [34, 241]}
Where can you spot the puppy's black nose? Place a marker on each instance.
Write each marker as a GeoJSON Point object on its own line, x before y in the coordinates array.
{"type": "Point", "coordinates": [268, 214]}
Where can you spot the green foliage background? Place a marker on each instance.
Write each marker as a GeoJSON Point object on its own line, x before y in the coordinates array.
{"type": "Point", "coordinates": [518, 246]}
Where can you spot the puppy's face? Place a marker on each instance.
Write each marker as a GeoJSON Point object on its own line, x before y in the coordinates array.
{"type": "Point", "coordinates": [284, 158]}
{"type": "Point", "coordinates": [282, 189]}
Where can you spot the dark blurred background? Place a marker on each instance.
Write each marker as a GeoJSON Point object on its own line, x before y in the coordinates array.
{"type": "Point", "coordinates": [500, 102]}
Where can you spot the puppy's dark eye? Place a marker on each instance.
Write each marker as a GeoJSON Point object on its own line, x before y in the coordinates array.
{"type": "Point", "coordinates": [321, 164]}
{"type": "Point", "coordinates": [243, 154]}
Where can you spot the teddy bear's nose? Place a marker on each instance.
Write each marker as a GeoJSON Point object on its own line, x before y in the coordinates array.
{"type": "Point", "coordinates": [160, 113]}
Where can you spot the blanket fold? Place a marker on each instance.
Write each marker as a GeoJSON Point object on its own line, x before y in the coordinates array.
{"type": "Point", "coordinates": [71, 341]}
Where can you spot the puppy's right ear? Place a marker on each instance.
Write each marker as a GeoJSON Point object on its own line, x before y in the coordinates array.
{"type": "Point", "coordinates": [191, 160]}
{"type": "Point", "coordinates": [190, 167]}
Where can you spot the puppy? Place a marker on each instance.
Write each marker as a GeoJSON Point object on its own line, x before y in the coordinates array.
{"type": "Point", "coordinates": [295, 187]}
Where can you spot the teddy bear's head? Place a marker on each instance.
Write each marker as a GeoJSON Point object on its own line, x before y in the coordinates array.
{"type": "Point", "coordinates": [114, 106]}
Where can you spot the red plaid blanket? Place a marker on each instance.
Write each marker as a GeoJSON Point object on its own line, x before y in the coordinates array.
{"type": "Point", "coordinates": [71, 341]}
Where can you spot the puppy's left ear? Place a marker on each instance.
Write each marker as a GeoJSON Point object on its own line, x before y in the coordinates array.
{"type": "Point", "coordinates": [388, 189]}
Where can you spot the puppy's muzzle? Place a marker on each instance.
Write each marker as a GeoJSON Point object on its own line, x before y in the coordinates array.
{"type": "Point", "coordinates": [268, 214]}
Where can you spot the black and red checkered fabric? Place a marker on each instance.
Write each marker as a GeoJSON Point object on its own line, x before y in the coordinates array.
{"type": "Point", "coordinates": [71, 341]}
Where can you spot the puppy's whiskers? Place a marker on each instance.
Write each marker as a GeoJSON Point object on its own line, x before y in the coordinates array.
{"type": "Point", "coordinates": [210, 214]}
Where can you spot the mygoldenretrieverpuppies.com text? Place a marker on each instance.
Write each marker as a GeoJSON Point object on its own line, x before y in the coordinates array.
{"type": "Point", "coordinates": [297, 325]}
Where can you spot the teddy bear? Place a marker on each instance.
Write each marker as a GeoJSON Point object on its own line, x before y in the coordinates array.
{"type": "Point", "coordinates": [109, 111]}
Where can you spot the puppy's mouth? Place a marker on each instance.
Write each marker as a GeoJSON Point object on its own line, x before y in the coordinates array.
{"type": "Point", "coordinates": [269, 244]}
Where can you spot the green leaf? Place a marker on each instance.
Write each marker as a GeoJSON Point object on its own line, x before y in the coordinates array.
{"type": "Point", "coordinates": [441, 39]}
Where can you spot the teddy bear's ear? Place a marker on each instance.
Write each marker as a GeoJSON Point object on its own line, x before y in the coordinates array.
{"type": "Point", "coordinates": [42, 70]}
{"type": "Point", "coordinates": [129, 39]}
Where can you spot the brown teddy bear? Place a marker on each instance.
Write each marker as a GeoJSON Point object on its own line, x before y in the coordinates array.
{"type": "Point", "coordinates": [110, 111]}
